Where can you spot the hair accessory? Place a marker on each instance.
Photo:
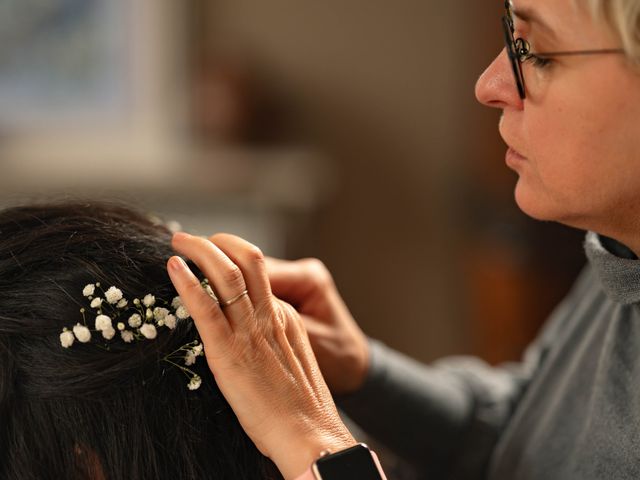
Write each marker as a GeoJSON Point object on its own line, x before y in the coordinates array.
{"type": "Point", "coordinates": [137, 320]}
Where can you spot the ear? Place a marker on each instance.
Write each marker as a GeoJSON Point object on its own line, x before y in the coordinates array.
{"type": "Point", "coordinates": [88, 462]}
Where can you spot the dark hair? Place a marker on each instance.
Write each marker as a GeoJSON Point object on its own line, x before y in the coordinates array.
{"type": "Point", "coordinates": [88, 411]}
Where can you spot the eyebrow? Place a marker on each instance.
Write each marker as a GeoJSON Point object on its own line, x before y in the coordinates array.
{"type": "Point", "coordinates": [530, 16]}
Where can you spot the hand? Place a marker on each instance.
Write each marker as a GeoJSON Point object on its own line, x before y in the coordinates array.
{"type": "Point", "coordinates": [340, 345]}
{"type": "Point", "coordinates": [258, 350]}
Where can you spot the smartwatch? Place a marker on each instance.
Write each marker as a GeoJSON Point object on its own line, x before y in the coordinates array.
{"type": "Point", "coordinates": [357, 462]}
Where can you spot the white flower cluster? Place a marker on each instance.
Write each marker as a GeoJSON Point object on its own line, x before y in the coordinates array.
{"type": "Point", "coordinates": [192, 354]}
{"type": "Point", "coordinates": [140, 321]}
{"type": "Point", "coordinates": [141, 324]}
{"type": "Point", "coordinates": [188, 354]}
{"type": "Point", "coordinates": [195, 382]}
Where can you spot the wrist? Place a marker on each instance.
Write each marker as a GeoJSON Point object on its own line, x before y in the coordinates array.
{"type": "Point", "coordinates": [362, 366]}
{"type": "Point", "coordinates": [355, 367]}
{"type": "Point", "coordinates": [355, 462]}
{"type": "Point", "coordinates": [302, 452]}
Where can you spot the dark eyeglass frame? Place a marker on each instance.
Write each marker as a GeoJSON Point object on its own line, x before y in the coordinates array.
{"type": "Point", "coordinates": [518, 51]}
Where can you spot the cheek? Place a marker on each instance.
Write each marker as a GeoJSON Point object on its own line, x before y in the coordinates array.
{"type": "Point", "coordinates": [584, 158]}
{"type": "Point", "coordinates": [564, 168]}
{"type": "Point", "coordinates": [561, 161]}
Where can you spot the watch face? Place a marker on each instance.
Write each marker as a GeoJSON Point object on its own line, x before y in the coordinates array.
{"type": "Point", "coordinates": [353, 463]}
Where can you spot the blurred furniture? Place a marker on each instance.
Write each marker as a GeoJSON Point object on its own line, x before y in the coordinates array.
{"type": "Point", "coordinates": [263, 195]}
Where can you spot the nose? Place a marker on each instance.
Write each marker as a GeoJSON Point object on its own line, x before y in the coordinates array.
{"type": "Point", "coordinates": [496, 86]}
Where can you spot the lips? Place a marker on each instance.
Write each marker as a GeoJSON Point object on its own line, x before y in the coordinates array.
{"type": "Point", "coordinates": [513, 152]}
{"type": "Point", "coordinates": [503, 129]}
{"type": "Point", "coordinates": [513, 159]}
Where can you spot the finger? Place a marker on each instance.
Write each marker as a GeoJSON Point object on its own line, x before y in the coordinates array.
{"type": "Point", "coordinates": [251, 262]}
{"type": "Point", "coordinates": [290, 280]}
{"type": "Point", "coordinates": [224, 276]}
{"type": "Point", "coordinates": [213, 327]}
{"type": "Point", "coordinates": [316, 328]}
{"type": "Point", "coordinates": [304, 283]}
{"type": "Point", "coordinates": [281, 275]}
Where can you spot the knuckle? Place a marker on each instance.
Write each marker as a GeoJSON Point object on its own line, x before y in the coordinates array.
{"type": "Point", "coordinates": [254, 255]}
{"type": "Point", "coordinates": [233, 276]}
{"type": "Point", "coordinates": [318, 272]}
{"type": "Point", "coordinates": [288, 310]}
{"type": "Point", "coordinates": [272, 318]}
{"type": "Point", "coordinates": [287, 315]}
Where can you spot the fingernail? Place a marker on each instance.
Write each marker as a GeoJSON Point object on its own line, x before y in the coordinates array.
{"type": "Point", "coordinates": [177, 264]}
{"type": "Point", "coordinates": [180, 236]}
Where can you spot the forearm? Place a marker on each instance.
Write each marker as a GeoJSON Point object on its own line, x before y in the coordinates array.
{"type": "Point", "coordinates": [410, 407]}
{"type": "Point", "coordinates": [422, 413]}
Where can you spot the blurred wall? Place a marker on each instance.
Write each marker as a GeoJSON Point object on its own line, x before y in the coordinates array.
{"type": "Point", "coordinates": [386, 91]}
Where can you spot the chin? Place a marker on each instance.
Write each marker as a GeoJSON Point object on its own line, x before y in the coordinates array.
{"type": "Point", "coordinates": [535, 204]}
{"type": "Point", "coordinates": [540, 207]}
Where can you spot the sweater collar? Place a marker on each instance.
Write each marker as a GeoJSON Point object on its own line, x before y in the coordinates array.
{"type": "Point", "coordinates": [616, 266]}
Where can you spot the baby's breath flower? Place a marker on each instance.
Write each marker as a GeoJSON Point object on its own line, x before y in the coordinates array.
{"type": "Point", "coordinates": [148, 330]}
{"type": "Point", "coordinates": [195, 382]}
{"type": "Point", "coordinates": [173, 226]}
{"type": "Point", "coordinates": [82, 333]}
{"type": "Point", "coordinates": [144, 323]}
{"type": "Point", "coordinates": [176, 302]}
{"type": "Point", "coordinates": [192, 354]}
{"type": "Point", "coordinates": [182, 313]}
{"type": "Point", "coordinates": [103, 322]}
{"type": "Point", "coordinates": [135, 320]}
{"type": "Point", "coordinates": [189, 358]}
{"type": "Point", "coordinates": [113, 295]}
{"type": "Point", "coordinates": [108, 333]}
{"type": "Point", "coordinates": [96, 302]}
{"type": "Point", "coordinates": [160, 313]}
{"type": "Point", "coordinates": [149, 300]}
{"type": "Point", "coordinates": [127, 336]}
{"type": "Point", "coordinates": [170, 321]}
{"type": "Point", "coordinates": [209, 291]}
{"type": "Point", "coordinates": [66, 338]}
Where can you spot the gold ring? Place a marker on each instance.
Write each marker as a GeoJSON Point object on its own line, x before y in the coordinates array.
{"type": "Point", "coordinates": [234, 299]}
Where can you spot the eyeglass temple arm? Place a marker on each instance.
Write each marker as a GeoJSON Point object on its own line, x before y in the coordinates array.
{"type": "Point", "coordinates": [577, 52]}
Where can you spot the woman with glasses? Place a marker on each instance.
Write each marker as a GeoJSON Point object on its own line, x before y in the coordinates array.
{"type": "Point", "coordinates": [568, 85]}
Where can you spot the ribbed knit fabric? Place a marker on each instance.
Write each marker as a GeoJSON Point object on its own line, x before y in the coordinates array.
{"type": "Point", "coordinates": [619, 274]}
{"type": "Point", "coordinates": [570, 410]}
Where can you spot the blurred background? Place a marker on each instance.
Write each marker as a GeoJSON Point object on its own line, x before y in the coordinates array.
{"type": "Point", "coordinates": [346, 131]}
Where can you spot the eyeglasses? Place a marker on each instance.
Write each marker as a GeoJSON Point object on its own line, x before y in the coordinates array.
{"type": "Point", "coordinates": [519, 51]}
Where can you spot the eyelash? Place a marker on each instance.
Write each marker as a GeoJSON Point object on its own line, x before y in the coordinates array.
{"type": "Point", "coordinates": [539, 62]}
{"type": "Point", "coordinates": [536, 61]}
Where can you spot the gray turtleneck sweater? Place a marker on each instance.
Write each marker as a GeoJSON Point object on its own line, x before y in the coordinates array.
{"type": "Point", "coordinates": [570, 410]}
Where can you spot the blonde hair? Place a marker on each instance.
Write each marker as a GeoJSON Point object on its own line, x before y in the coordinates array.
{"type": "Point", "coordinates": [624, 18]}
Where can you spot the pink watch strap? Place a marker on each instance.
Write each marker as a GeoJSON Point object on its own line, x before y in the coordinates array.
{"type": "Point", "coordinates": [309, 475]}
